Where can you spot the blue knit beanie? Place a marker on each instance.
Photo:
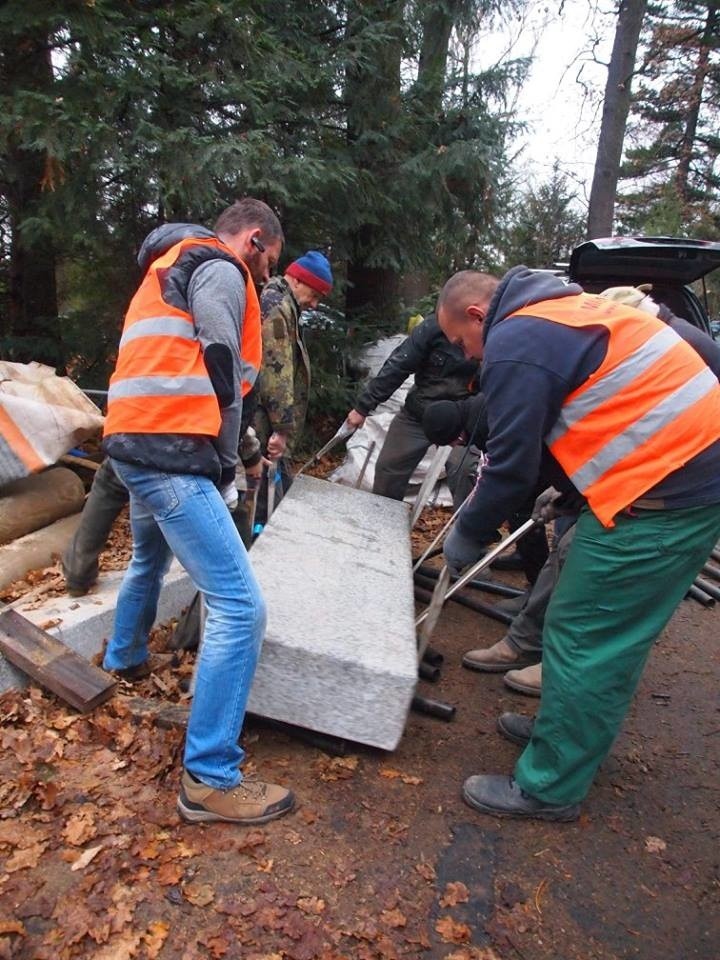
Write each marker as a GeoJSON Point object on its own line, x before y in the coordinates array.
{"type": "Point", "coordinates": [313, 269]}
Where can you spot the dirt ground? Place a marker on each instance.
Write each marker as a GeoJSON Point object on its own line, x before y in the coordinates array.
{"type": "Point", "coordinates": [381, 859]}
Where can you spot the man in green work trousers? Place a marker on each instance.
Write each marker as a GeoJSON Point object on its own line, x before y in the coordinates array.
{"type": "Point", "coordinates": [618, 406]}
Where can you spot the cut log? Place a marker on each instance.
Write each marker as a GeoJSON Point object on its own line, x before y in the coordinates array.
{"type": "Point", "coordinates": [36, 501]}
{"type": "Point", "coordinates": [52, 664]}
{"type": "Point", "coordinates": [36, 550]}
{"type": "Point", "coordinates": [75, 461]}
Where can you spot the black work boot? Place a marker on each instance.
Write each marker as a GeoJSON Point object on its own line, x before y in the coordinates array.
{"type": "Point", "coordinates": [515, 727]}
{"type": "Point", "coordinates": [501, 796]}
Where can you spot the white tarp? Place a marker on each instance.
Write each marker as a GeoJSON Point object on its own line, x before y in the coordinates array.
{"type": "Point", "coordinates": [42, 416]}
{"type": "Point", "coordinates": [376, 428]}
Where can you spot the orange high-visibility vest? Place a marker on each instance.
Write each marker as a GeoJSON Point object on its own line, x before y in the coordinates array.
{"type": "Point", "coordinates": [161, 383]}
{"type": "Point", "coordinates": [651, 405]}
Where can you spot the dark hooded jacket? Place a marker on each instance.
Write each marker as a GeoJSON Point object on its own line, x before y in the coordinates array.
{"type": "Point", "coordinates": [442, 372]}
{"type": "Point", "coordinates": [530, 365]}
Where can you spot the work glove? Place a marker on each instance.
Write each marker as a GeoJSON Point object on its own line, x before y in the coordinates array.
{"type": "Point", "coordinates": [461, 551]}
{"type": "Point", "coordinates": [229, 494]}
{"type": "Point", "coordinates": [552, 504]}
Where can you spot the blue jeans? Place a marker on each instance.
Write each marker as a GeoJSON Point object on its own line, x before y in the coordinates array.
{"type": "Point", "coordinates": [184, 515]}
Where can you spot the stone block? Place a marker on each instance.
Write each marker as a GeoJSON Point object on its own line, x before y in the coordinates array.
{"type": "Point", "coordinates": [83, 623]}
{"type": "Point", "coordinates": [340, 653]}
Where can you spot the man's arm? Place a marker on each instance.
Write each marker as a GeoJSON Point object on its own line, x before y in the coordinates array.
{"type": "Point", "coordinates": [277, 387]}
{"type": "Point", "coordinates": [404, 360]}
{"type": "Point", "coordinates": [216, 298]}
{"type": "Point", "coordinates": [524, 399]}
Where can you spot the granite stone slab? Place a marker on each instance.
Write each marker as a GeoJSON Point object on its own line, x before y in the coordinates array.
{"type": "Point", "coordinates": [340, 653]}
{"type": "Point", "coordinates": [83, 623]}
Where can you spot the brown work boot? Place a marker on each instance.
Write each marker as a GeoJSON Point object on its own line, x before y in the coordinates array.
{"type": "Point", "coordinates": [498, 658]}
{"type": "Point", "coordinates": [251, 801]}
{"type": "Point", "coordinates": [527, 681]}
{"type": "Point", "coordinates": [154, 664]}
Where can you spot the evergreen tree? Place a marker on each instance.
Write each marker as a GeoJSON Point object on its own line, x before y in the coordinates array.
{"type": "Point", "coordinates": [356, 121]}
{"type": "Point", "coordinates": [545, 224]}
{"type": "Point", "coordinates": [672, 171]}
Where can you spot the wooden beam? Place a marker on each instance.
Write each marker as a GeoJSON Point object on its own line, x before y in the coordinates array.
{"type": "Point", "coordinates": [54, 666]}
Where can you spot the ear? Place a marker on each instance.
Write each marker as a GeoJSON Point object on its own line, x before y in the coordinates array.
{"type": "Point", "coordinates": [475, 313]}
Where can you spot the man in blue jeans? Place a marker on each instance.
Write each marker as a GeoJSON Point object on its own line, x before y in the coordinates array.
{"type": "Point", "coordinates": [190, 349]}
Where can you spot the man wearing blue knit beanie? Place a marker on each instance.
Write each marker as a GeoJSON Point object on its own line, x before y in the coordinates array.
{"type": "Point", "coordinates": [285, 379]}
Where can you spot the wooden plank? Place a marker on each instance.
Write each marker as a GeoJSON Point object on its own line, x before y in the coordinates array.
{"type": "Point", "coordinates": [55, 666]}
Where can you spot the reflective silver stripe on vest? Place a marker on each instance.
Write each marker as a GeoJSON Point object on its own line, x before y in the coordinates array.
{"type": "Point", "coordinates": [158, 327]}
{"type": "Point", "coordinates": [624, 373]}
{"type": "Point", "coordinates": [248, 372]}
{"type": "Point", "coordinates": [642, 430]}
{"type": "Point", "coordinates": [161, 387]}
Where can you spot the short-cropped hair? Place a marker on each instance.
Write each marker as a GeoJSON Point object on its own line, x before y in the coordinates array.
{"type": "Point", "coordinates": [465, 287]}
{"type": "Point", "coordinates": [249, 213]}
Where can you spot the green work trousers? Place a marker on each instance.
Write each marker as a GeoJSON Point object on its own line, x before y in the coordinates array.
{"type": "Point", "coordinates": [617, 591]}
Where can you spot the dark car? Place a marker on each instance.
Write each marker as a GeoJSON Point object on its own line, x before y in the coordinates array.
{"type": "Point", "coordinates": [670, 264]}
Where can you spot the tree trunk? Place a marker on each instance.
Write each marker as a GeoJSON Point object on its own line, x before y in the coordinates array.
{"type": "Point", "coordinates": [32, 301]}
{"type": "Point", "coordinates": [373, 98]}
{"type": "Point", "coordinates": [687, 146]}
{"type": "Point", "coordinates": [614, 118]}
{"type": "Point", "coordinates": [438, 22]}
{"type": "Point", "coordinates": [438, 25]}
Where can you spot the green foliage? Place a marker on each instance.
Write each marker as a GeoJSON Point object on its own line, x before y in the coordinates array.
{"type": "Point", "coordinates": [543, 225]}
{"type": "Point", "coordinates": [671, 169]}
{"type": "Point", "coordinates": [365, 134]}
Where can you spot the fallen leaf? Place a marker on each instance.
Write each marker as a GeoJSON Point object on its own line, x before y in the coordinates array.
{"type": "Point", "coordinates": [218, 945]}
{"type": "Point", "coordinates": [169, 874]}
{"type": "Point", "coordinates": [393, 918]}
{"type": "Point", "coordinates": [199, 894]}
{"type": "Point", "coordinates": [655, 844]}
{"type": "Point", "coordinates": [311, 905]}
{"type": "Point", "coordinates": [80, 828]}
{"type": "Point", "coordinates": [148, 851]}
{"type": "Point", "coordinates": [451, 931]}
{"type": "Point", "coordinates": [391, 774]}
{"type": "Point", "coordinates": [23, 859]}
{"type": "Point", "coordinates": [154, 938]}
{"type": "Point", "coordinates": [86, 857]}
{"type": "Point", "coordinates": [265, 866]}
{"type": "Point", "coordinates": [336, 768]}
{"type": "Point", "coordinates": [455, 892]}
{"type": "Point", "coordinates": [250, 840]}
{"type": "Point", "coordinates": [123, 948]}
{"type": "Point", "coordinates": [11, 926]}
{"type": "Point", "coordinates": [426, 870]}
{"type": "Point", "coordinates": [473, 953]}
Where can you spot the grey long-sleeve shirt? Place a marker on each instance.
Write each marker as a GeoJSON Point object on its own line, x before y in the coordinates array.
{"type": "Point", "coordinates": [217, 297]}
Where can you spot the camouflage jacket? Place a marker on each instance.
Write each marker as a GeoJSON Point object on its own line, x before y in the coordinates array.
{"type": "Point", "coordinates": [285, 376]}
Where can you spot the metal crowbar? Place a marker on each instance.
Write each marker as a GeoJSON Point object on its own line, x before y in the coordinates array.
{"type": "Point", "coordinates": [429, 618]}
{"type": "Point", "coordinates": [343, 433]}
